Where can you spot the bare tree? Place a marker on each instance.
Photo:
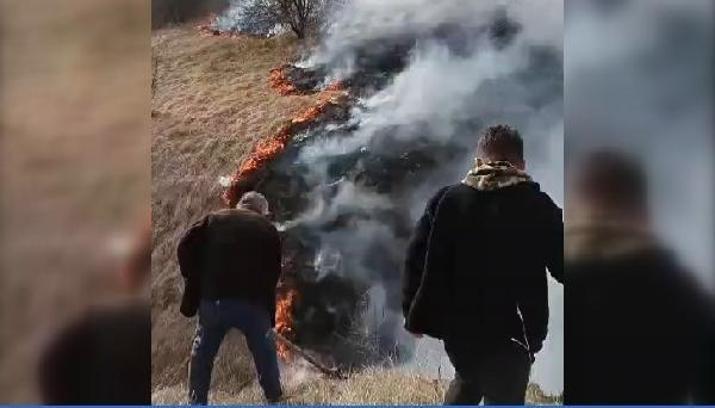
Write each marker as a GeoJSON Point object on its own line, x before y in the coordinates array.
{"type": "Point", "coordinates": [299, 15]}
{"type": "Point", "coordinates": [260, 16]}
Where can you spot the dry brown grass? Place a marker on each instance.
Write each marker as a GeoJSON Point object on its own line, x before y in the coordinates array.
{"type": "Point", "coordinates": [74, 97]}
{"type": "Point", "coordinates": [211, 103]}
{"type": "Point", "coordinates": [373, 386]}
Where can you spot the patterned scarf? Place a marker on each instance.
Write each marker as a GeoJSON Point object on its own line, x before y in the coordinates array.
{"type": "Point", "coordinates": [488, 176]}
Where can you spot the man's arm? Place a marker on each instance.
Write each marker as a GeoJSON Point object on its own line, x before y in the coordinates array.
{"type": "Point", "coordinates": [555, 241]}
{"type": "Point", "coordinates": [188, 251]}
{"type": "Point", "coordinates": [534, 307]}
{"type": "Point", "coordinates": [532, 293]}
{"type": "Point", "coordinates": [416, 251]}
{"type": "Point", "coordinates": [427, 312]}
{"type": "Point", "coordinates": [189, 254]}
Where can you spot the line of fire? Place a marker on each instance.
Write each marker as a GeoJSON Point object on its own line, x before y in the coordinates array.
{"type": "Point", "coordinates": [327, 294]}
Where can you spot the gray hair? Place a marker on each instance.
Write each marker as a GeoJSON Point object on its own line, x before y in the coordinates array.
{"type": "Point", "coordinates": [254, 201]}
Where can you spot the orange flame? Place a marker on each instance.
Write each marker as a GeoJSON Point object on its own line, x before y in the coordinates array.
{"type": "Point", "coordinates": [284, 86]}
{"type": "Point", "coordinates": [267, 150]}
{"type": "Point", "coordinates": [284, 321]}
{"type": "Point", "coordinates": [280, 82]}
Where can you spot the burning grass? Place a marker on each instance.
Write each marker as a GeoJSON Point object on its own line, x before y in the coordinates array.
{"type": "Point", "coordinates": [211, 105]}
{"type": "Point", "coordinates": [284, 326]}
{"type": "Point", "coordinates": [281, 83]}
{"type": "Point", "coordinates": [267, 150]}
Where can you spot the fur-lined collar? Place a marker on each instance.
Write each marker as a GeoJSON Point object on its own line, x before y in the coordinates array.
{"type": "Point", "coordinates": [488, 176]}
{"type": "Point", "coordinates": [606, 239]}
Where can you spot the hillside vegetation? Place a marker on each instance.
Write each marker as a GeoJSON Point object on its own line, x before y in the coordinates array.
{"type": "Point", "coordinates": [374, 386]}
{"type": "Point", "coordinates": [211, 103]}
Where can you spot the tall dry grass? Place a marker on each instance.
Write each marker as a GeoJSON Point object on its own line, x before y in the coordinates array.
{"type": "Point", "coordinates": [210, 103]}
{"type": "Point", "coordinates": [372, 386]}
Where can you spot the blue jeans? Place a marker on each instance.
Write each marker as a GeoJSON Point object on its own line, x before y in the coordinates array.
{"type": "Point", "coordinates": [215, 319]}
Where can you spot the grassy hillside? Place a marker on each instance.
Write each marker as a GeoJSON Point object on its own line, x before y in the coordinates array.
{"type": "Point", "coordinates": [211, 102]}
{"type": "Point", "coordinates": [376, 386]}
{"type": "Point", "coordinates": [368, 387]}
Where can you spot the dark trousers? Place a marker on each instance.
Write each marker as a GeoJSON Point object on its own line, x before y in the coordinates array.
{"type": "Point", "coordinates": [498, 374]}
{"type": "Point", "coordinates": [215, 319]}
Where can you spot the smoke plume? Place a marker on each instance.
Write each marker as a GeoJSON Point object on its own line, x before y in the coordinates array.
{"type": "Point", "coordinates": [425, 77]}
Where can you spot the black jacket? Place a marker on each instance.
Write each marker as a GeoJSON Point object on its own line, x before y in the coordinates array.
{"type": "Point", "coordinates": [101, 358]}
{"type": "Point", "coordinates": [635, 329]}
{"type": "Point", "coordinates": [477, 261]}
{"type": "Point", "coordinates": [230, 254]}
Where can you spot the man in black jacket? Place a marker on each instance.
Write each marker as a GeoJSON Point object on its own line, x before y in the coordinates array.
{"type": "Point", "coordinates": [635, 320]}
{"type": "Point", "coordinates": [475, 273]}
{"type": "Point", "coordinates": [231, 260]}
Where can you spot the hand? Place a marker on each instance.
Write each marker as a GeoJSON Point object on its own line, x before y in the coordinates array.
{"type": "Point", "coordinates": [417, 335]}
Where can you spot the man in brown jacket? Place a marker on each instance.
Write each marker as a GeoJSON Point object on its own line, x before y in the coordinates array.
{"type": "Point", "coordinates": [231, 261]}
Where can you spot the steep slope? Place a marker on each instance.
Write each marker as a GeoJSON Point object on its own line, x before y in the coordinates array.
{"type": "Point", "coordinates": [211, 103]}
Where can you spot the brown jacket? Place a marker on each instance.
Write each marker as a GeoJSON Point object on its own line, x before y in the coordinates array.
{"type": "Point", "coordinates": [230, 254]}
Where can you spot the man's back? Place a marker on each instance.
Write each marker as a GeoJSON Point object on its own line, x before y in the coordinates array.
{"type": "Point", "coordinates": [499, 260]}
{"type": "Point", "coordinates": [632, 324]}
{"type": "Point", "coordinates": [237, 254]}
{"type": "Point", "coordinates": [231, 261]}
{"type": "Point", "coordinates": [475, 272]}
{"type": "Point", "coordinates": [487, 255]}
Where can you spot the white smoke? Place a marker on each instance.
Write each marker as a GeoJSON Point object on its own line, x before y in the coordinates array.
{"type": "Point", "coordinates": [638, 76]}
{"type": "Point", "coordinates": [458, 78]}
{"type": "Point", "coordinates": [362, 22]}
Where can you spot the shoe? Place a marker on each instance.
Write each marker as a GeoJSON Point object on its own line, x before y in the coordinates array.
{"type": "Point", "coordinates": [275, 400]}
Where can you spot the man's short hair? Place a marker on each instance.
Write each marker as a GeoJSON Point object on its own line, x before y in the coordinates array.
{"type": "Point", "coordinates": [501, 142]}
{"type": "Point", "coordinates": [254, 201]}
{"type": "Point", "coordinates": [612, 180]}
